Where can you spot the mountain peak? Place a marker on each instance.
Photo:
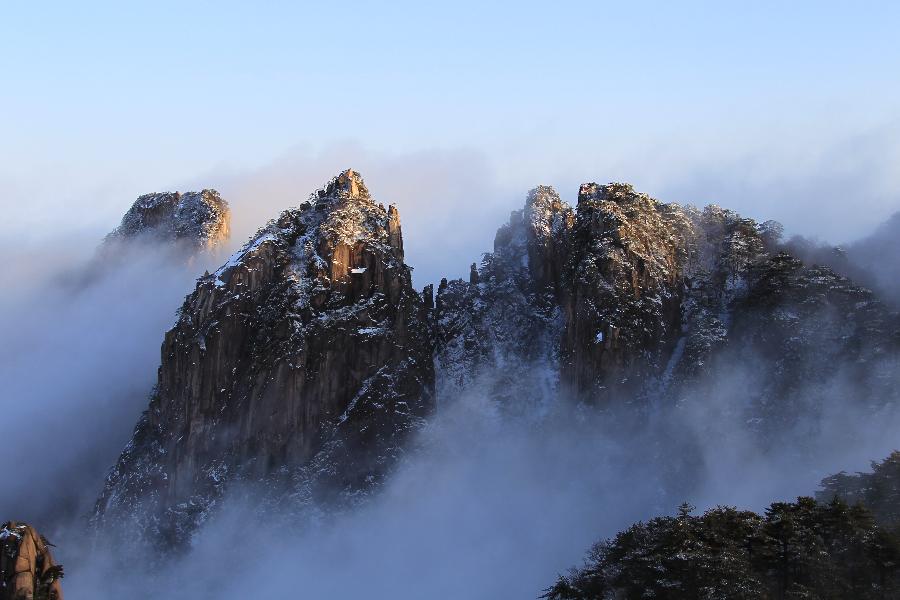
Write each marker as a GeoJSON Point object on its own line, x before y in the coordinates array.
{"type": "Point", "coordinates": [348, 184]}
{"type": "Point", "coordinates": [313, 358]}
{"type": "Point", "coordinates": [198, 218]}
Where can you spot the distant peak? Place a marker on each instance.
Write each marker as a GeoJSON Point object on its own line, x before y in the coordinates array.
{"type": "Point", "coordinates": [200, 218]}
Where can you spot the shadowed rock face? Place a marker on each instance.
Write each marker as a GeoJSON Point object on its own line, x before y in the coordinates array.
{"type": "Point", "coordinates": [196, 219]}
{"type": "Point", "coordinates": [625, 285]}
{"type": "Point", "coordinates": [590, 296]}
{"type": "Point", "coordinates": [306, 355]}
{"type": "Point", "coordinates": [27, 568]}
{"type": "Point", "coordinates": [628, 300]}
{"type": "Point", "coordinates": [502, 327]}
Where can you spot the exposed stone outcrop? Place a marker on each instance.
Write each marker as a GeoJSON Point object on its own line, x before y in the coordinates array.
{"type": "Point", "coordinates": [591, 295]}
{"type": "Point", "coordinates": [625, 285]}
{"type": "Point", "coordinates": [27, 568]}
{"type": "Point", "coordinates": [548, 223]}
{"type": "Point", "coordinates": [306, 358]}
{"type": "Point", "coordinates": [722, 247]}
{"type": "Point", "coordinates": [306, 361]}
{"type": "Point", "coordinates": [502, 326]}
{"type": "Point", "coordinates": [626, 300]}
{"type": "Point", "coordinates": [196, 219]}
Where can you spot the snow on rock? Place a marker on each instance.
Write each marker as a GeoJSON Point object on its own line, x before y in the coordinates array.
{"type": "Point", "coordinates": [305, 358]}
{"type": "Point", "coordinates": [625, 299]}
{"type": "Point", "coordinates": [200, 219]}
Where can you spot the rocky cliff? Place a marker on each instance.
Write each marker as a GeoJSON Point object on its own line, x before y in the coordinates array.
{"type": "Point", "coordinates": [627, 300]}
{"type": "Point", "coordinates": [625, 281]}
{"type": "Point", "coordinates": [194, 219]}
{"type": "Point", "coordinates": [27, 568]}
{"type": "Point", "coordinates": [593, 295]}
{"type": "Point", "coordinates": [501, 328]}
{"type": "Point", "coordinates": [305, 359]}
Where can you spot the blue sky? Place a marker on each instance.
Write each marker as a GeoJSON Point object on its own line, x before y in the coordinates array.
{"type": "Point", "coordinates": [760, 106]}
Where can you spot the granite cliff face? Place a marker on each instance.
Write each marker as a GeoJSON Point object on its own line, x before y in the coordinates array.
{"type": "Point", "coordinates": [628, 301]}
{"type": "Point", "coordinates": [625, 278]}
{"type": "Point", "coordinates": [195, 219]}
{"type": "Point", "coordinates": [307, 360]}
{"type": "Point", "coordinates": [304, 361]}
{"type": "Point", "coordinates": [27, 568]}
{"type": "Point", "coordinates": [590, 297]}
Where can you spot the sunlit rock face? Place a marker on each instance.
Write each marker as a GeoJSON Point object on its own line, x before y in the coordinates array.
{"type": "Point", "coordinates": [306, 359]}
{"type": "Point", "coordinates": [199, 220]}
{"type": "Point", "coordinates": [27, 568]}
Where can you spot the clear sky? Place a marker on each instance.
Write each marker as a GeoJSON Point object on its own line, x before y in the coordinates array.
{"type": "Point", "coordinates": [775, 108]}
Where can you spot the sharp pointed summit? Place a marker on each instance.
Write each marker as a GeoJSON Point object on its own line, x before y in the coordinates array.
{"type": "Point", "coordinates": [348, 184]}
{"type": "Point", "coordinates": [306, 358]}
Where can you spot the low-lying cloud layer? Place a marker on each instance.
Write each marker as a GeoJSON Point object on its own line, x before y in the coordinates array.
{"type": "Point", "coordinates": [494, 505]}
{"type": "Point", "coordinates": [81, 343]}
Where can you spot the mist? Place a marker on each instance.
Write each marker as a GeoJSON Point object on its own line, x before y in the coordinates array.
{"type": "Point", "coordinates": [834, 186]}
{"type": "Point", "coordinates": [81, 336]}
{"type": "Point", "coordinates": [489, 503]}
